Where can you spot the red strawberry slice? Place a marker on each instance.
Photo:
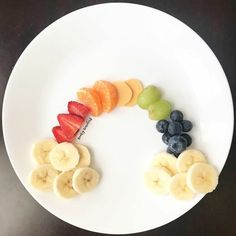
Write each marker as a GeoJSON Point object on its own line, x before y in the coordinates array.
{"type": "Point", "coordinates": [70, 124]}
{"type": "Point", "coordinates": [59, 135]}
{"type": "Point", "coordinates": [78, 109]}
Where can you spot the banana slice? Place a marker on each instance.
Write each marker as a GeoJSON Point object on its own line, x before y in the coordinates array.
{"type": "Point", "coordinates": [85, 179]}
{"type": "Point", "coordinates": [42, 177]}
{"type": "Point", "coordinates": [202, 178]}
{"type": "Point", "coordinates": [165, 160]}
{"type": "Point", "coordinates": [64, 156]}
{"type": "Point", "coordinates": [42, 149]}
{"type": "Point", "coordinates": [188, 158]}
{"type": "Point", "coordinates": [85, 157]}
{"type": "Point", "coordinates": [157, 180]}
{"type": "Point", "coordinates": [178, 187]}
{"type": "Point", "coordinates": [63, 185]}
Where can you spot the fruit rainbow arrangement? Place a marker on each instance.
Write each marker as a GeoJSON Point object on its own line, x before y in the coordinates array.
{"type": "Point", "coordinates": [64, 164]}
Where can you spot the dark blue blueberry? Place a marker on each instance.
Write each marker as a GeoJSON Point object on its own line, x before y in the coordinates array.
{"type": "Point", "coordinates": [187, 125]}
{"type": "Point", "coordinates": [162, 126]}
{"type": "Point", "coordinates": [188, 139]}
{"type": "Point", "coordinates": [165, 137]}
{"type": "Point", "coordinates": [177, 144]}
{"type": "Point", "coordinates": [175, 127]}
{"type": "Point", "coordinates": [171, 152]}
{"type": "Point", "coordinates": [176, 115]}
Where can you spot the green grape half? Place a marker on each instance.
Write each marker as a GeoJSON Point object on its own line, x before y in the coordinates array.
{"type": "Point", "coordinates": [159, 110]}
{"type": "Point", "coordinates": [148, 96]}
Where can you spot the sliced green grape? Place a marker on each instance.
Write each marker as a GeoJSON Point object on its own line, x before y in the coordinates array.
{"type": "Point", "coordinates": [148, 96]}
{"type": "Point", "coordinates": [159, 110]}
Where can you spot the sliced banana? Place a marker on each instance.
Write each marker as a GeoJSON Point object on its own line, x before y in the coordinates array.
{"type": "Point", "coordinates": [64, 156]}
{"type": "Point", "coordinates": [85, 157]}
{"type": "Point", "coordinates": [188, 158]}
{"type": "Point", "coordinates": [165, 160]}
{"type": "Point", "coordinates": [42, 177]}
{"type": "Point", "coordinates": [178, 187]}
{"type": "Point", "coordinates": [157, 180]}
{"type": "Point", "coordinates": [202, 178]}
{"type": "Point", "coordinates": [85, 179]}
{"type": "Point", "coordinates": [63, 185]}
{"type": "Point", "coordinates": [42, 149]}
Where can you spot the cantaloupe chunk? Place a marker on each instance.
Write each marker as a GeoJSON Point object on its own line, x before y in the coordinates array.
{"type": "Point", "coordinates": [125, 93]}
{"type": "Point", "coordinates": [137, 88]}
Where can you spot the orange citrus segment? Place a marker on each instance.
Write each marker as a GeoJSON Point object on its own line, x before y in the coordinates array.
{"type": "Point", "coordinates": [124, 92]}
{"type": "Point", "coordinates": [108, 94]}
{"type": "Point", "coordinates": [137, 88]}
{"type": "Point", "coordinates": [91, 99]}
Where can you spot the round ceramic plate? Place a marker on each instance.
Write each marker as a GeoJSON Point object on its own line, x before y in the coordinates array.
{"type": "Point", "coordinates": [116, 42]}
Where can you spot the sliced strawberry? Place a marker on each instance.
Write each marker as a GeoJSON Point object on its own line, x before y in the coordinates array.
{"type": "Point", "coordinates": [78, 109]}
{"type": "Point", "coordinates": [59, 135]}
{"type": "Point", "coordinates": [70, 124]}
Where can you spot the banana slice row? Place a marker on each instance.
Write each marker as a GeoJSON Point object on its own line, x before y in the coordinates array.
{"type": "Point", "coordinates": [182, 177]}
{"type": "Point", "coordinates": [68, 184]}
{"type": "Point", "coordinates": [63, 157]}
{"type": "Point", "coordinates": [64, 168]}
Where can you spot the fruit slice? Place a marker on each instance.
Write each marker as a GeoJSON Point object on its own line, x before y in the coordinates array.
{"type": "Point", "coordinates": [179, 189]}
{"type": "Point", "coordinates": [148, 96]}
{"type": "Point", "coordinates": [42, 149]}
{"type": "Point", "coordinates": [64, 156]}
{"type": "Point", "coordinates": [90, 98]}
{"type": "Point", "coordinates": [59, 135]}
{"type": "Point", "coordinates": [157, 180]}
{"type": "Point", "coordinates": [42, 177]}
{"type": "Point", "coordinates": [137, 88]}
{"type": "Point", "coordinates": [85, 179]}
{"type": "Point", "coordinates": [78, 109]}
{"type": "Point", "coordinates": [189, 157]}
{"type": "Point", "coordinates": [202, 178]}
{"type": "Point", "coordinates": [70, 124]}
{"type": "Point", "coordinates": [124, 92]}
{"type": "Point", "coordinates": [166, 161]}
{"type": "Point", "coordinates": [108, 94]}
{"type": "Point", "coordinates": [85, 157]}
{"type": "Point", "coordinates": [63, 185]}
{"type": "Point", "coordinates": [159, 110]}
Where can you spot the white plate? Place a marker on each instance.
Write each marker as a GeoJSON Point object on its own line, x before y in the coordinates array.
{"type": "Point", "coordinates": [117, 41]}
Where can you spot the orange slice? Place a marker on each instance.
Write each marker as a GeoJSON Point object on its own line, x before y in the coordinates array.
{"type": "Point", "coordinates": [108, 94]}
{"type": "Point", "coordinates": [91, 99]}
{"type": "Point", "coordinates": [137, 88]}
{"type": "Point", "coordinates": [124, 92]}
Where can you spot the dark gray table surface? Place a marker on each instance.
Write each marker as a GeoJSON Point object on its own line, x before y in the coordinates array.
{"type": "Point", "coordinates": [22, 20]}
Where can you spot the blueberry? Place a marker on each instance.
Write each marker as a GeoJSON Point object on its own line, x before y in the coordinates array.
{"type": "Point", "coordinates": [188, 139]}
{"type": "Point", "coordinates": [177, 144]}
{"type": "Point", "coordinates": [165, 137]}
{"type": "Point", "coordinates": [176, 115]}
{"type": "Point", "coordinates": [175, 128]}
{"type": "Point", "coordinates": [168, 150]}
{"type": "Point", "coordinates": [162, 126]}
{"type": "Point", "coordinates": [187, 125]}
